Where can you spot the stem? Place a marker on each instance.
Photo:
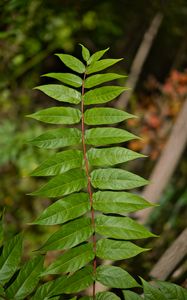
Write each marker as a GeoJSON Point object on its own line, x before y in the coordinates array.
{"type": "Point", "coordinates": [89, 184]}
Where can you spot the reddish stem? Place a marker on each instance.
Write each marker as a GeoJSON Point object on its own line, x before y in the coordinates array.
{"type": "Point", "coordinates": [89, 185]}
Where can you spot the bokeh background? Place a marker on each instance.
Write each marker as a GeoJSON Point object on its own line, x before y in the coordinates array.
{"type": "Point", "coordinates": [31, 31]}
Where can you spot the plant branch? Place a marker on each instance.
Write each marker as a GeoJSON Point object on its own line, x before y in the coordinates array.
{"type": "Point", "coordinates": [89, 184]}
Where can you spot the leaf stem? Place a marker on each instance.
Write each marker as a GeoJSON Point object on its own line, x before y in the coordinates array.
{"type": "Point", "coordinates": [89, 184]}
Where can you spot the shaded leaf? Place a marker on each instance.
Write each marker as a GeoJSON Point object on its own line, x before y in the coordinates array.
{"type": "Point", "coordinates": [100, 115]}
{"type": "Point", "coordinates": [57, 138]}
{"type": "Point", "coordinates": [111, 156]}
{"type": "Point", "coordinates": [117, 250]}
{"type": "Point", "coordinates": [151, 292]}
{"type": "Point", "coordinates": [85, 53]}
{"type": "Point", "coordinates": [118, 202]}
{"type": "Point", "coordinates": [116, 179]}
{"type": "Point", "coordinates": [72, 260]}
{"type": "Point", "coordinates": [59, 163]}
{"type": "Point", "coordinates": [27, 279]}
{"type": "Point", "coordinates": [10, 258]}
{"type": "Point", "coordinates": [77, 282]}
{"type": "Point", "coordinates": [60, 93]}
{"type": "Point", "coordinates": [172, 291]}
{"type": "Point", "coordinates": [102, 94]}
{"type": "Point", "coordinates": [106, 296]}
{"type": "Point", "coordinates": [65, 209]}
{"type": "Point", "coordinates": [115, 277]}
{"type": "Point", "coordinates": [45, 291]}
{"type": "Point", "coordinates": [102, 64]}
{"type": "Point", "coordinates": [121, 228]}
{"type": "Point", "coordinates": [58, 115]}
{"type": "Point", "coordinates": [68, 78]}
{"type": "Point", "coordinates": [131, 296]}
{"type": "Point", "coordinates": [104, 136]}
{"type": "Point", "coordinates": [64, 184]}
{"type": "Point", "coordinates": [72, 62]}
{"type": "Point", "coordinates": [97, 55]}
{"type": "Point", "coordinates": [69, 235]}
{"type": "Point", "coordinates": [101, 78]}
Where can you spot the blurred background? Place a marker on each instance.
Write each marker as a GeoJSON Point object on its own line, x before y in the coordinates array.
{"type": "Point", "coordinates": [152, 38]}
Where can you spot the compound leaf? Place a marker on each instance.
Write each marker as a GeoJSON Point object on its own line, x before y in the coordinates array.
{"type": "Point", "coordinates": [68, 78]}
{"type": "Point", "coordinates": [72, 260]}
{"type": "Point", "coordinates": [61, 93]}
{"type": "Point", "coordinates": [69, 235]}
{"type": "Point", "coordinates": [64, 184]}
{"type": "Point", "coordinates": [59, 163]}
{"type": "Point", "coordinates": [99, 116]}
{"type": "Point", "coordinates": [104, 136]}
{"type": "Point", "coordinates": [10, 258]}
{"type": "Point", "coordinates": [117, 250]}
{"type": "Point", "coordinates": [95, 80]}
{"type": "Point", "coordinates": [72, 62]}
{"type": "Point", "coordinates": [111, 156]}
{"type": "Point", "coordinates": [116, 179]}
{"type": "Point", "coordinates": [115, 277]}
{"type": "Point", "coordinates": [27, 279]}
{"type": "Point", "coordinates": [57, 138]}
{"type": "Point", "coordinates": [118, 202]}
{"type": "Point", "coordinates": [102, 94]}
{"type": "Point", "coordinates": [58, 115]}
{"type": "Point", "coordinates": [63, 210]}
{"type": "Point", "coordinates": [121, 228]}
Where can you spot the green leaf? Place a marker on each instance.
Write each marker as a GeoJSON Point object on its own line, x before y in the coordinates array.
{"type": "Point", "coordinates": [115, 277]}
{"type": "Point", "coordinates": [104, 136]}
{"type": "Point", "coordinates": [172, 291]}
{"type": "Point", "coordinates": [121, 228]}
{"type": "Point", "coordinates": [59, 163]}
{"type": "Point", "coordinates": [72, 62]}
{"type": "Point", "coordinates": [10, 258]}
{"type": "Point", "coordinates": [103, 94]}
{"type": "Point", "coordinates": [101, 78]}
{"type": "Point", "coordinates": [97, 55]}
{"type": "Point", "coordinates": [44, 291]}
{"type": "Point", "coordinates": [69, 235]}
{"type": "Point", "coordinates": [1, 227]}
{"type": "Point", "coordinates": [79, 281]}
{"type": "Point", "coordinates": [57, 138]}
{"type": "Point", "coordinates": [58, 115]}
{"type": "Point", "coordinates": [64, 184]}
{"type": "Point", "coordinates": [111, 156]}
{"type": "Point", "coordinates": [68, 78]}
{"type": "Point", "coordinates": [117, 250]}
{"type": "Point", "coordinates": [85, 53]}
{"type": "Point", "coordinates": [99, 116]}
{"type": "Point", "coordinates": [152, 293]}
{"type": "Point", "coordinates": [101, 65]}
{"type": "Point", "coordinates": [65, 209]}
{"type": "Point", "coordinates": [106, 296]}
{"type": "Point", "coordinates": [27, 279]}
{"type": "Point", "coordinates": [116, 179]}
{"type": "Point", "coordinates": [61, 93]}
{"type": "Point", "coordinates": [131, 296]}
{"type": "Point", "coordinates": [118, 202]}
{"type": "Point", "coordinates": [72, 260]}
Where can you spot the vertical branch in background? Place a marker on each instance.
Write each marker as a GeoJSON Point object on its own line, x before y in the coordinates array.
{"type": "Point", "coordinates": [167, 163]}
{"type": "Point", "coordinates": [140, 58]}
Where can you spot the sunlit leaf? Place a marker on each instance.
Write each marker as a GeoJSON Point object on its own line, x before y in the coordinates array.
{"type": "Point", "coordinates": [121, 228]}
{"type": "Point", "coordinates": [58, 115]}
{"type": "Point", "coordinates": [60, 93]}
{"type": "Point", "coordinates": [102, 64]}
{"type": "Point", "coordinates": [97, 55]}
{"type": "Point", "coordinates": [172, 291]}
{"type": "Point", "coordinates": [57, 138]}
{"type": "Point", "coordinates": [85, 53]}
{"type": "Point", "coordinates": [72, 62]}
{"type": "Point", "coordinates": [153, 293]}
{"type": "Point", "coordinates": [68, 78]}
{"type": "Point", "coordinates": [101, 78]}
{"type": "Point", "coordinates": [102, 94]}
{"type": "Point", "coordinates": [116, 179]}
